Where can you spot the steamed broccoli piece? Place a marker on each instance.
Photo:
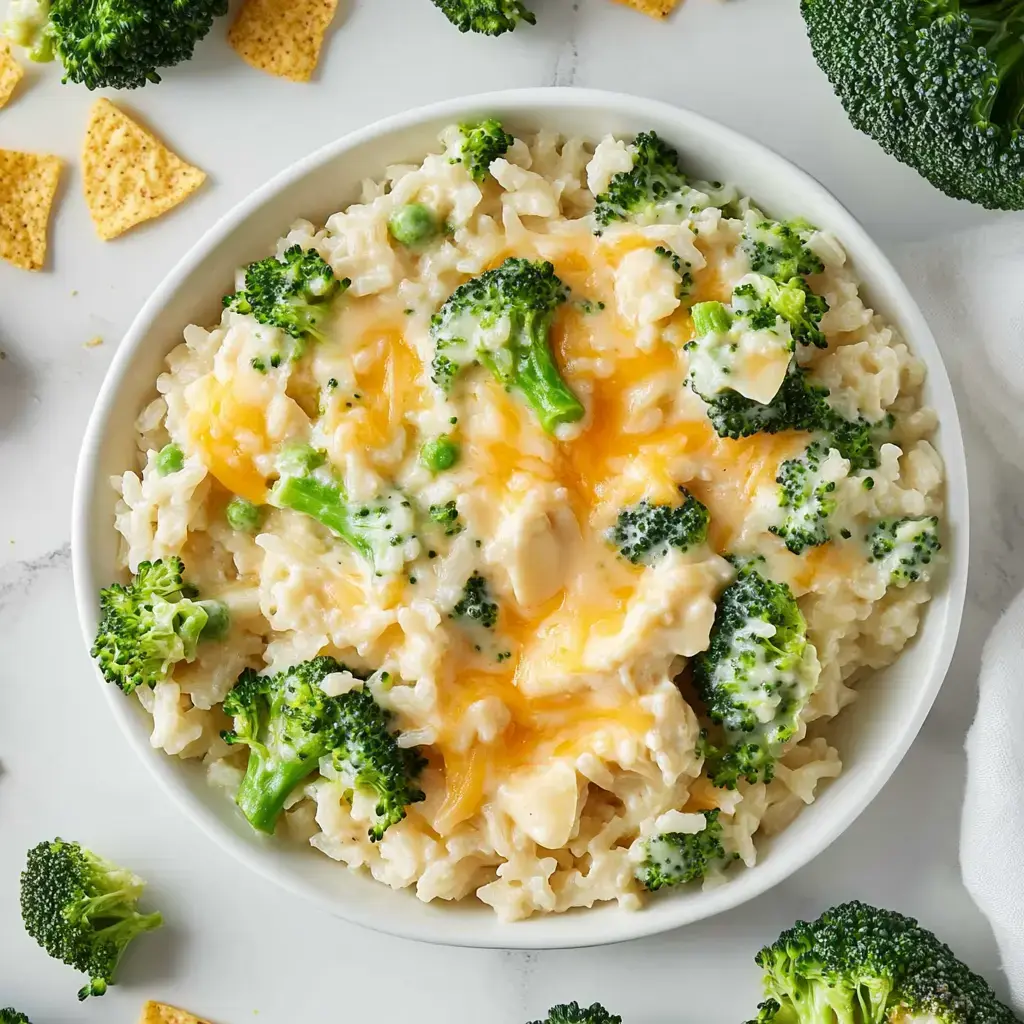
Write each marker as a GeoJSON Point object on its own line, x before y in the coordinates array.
{"type": "Point", "coordinates": [82, 909]}
{"type": "Point", "coordinates": [856, 440]}
{"type": "Point", "coordinates": [502, 319]}
{"type": "Point", "coordinates": [808, 498]}
{"type": "Point", "coordinates": [779, 250]}
{"type": "Point", "coordinates": [938, 84]}
{"type": "Point", "coordinates": [112, 44]}
{"type": "Point", "coordinates": [488, 17]}
{"type": "Point", "coordinates": [12, 1016]}
{"type": "Point", "coordinates": [289, 724]}
{"type": "Point", "coordinates": [676, 858]}
{"type": "Point", "coordinates": [905, 547]}
{"type": "Point", "coordinates": [153, 623]}
{"type": "Point", "coordinates": [755, 677]}
{"type": "Point", "coordinates": [291, 294]}
{"type": "Point", "coordinates": [476, 603]}
{"type": "Point", "coordinates": [857, 964]}
{"type": "Point", "coordinates": [647, 531]}
{"type": "Point", "coordinates": [477, 146]}
{"type": "Point", "coordinates": [655, 190]}
{"type": "Point", "coordinates": [761, 300]}
{"type": "Point", "coordinates": [573, 1013]}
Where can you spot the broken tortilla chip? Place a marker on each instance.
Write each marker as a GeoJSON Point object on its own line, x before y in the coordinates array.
{"type": "Point", "coordinates": [652, 8]}
{"type": "Point", "coordinates": [161, 1013]}
{"type": "Point", "coordinates": [11, 72]}
{"type": "Point", "coordinates": [130, 176]}
{"type": "Point", "coordinates": [28, 183]}
{"type": "Point", "coordinates": [282, 37]}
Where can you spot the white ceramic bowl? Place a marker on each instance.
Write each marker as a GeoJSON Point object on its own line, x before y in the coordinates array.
{"type": "Point", "coordinates": [872, 735]}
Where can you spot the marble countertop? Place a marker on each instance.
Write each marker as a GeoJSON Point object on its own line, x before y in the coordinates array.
{"type": "Point", "coordinates": [234, 946]}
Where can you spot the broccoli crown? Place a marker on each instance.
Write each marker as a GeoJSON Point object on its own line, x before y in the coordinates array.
{"type": "Point", "coordinates": [489, 17]}
{"type": "Point", "coordinates": [82, 909]}
{"type": "Point", "coordinates": [760, 300]}
{"type": "Point", "coordinates": [151, 624]}
{"type": "Point", "coordinates": [447, 515]}
{"type": "Point", "coordinates": [12, 1016]}
{"type": "Point", "coordinates": [755, 677]}
{"type": "Point", "coordinates": [290, 293]}
{"type": "Point", "coordinates": [476, 603]}
{"type": "Point", "coordinates": [675, 858]}
{"type": "Point", "coordinates": [117, 44]}
{"type": "Point", "coordinates": [936, 83]}
{"type": "Point", "coordinates": [905, 547]}
{"type": "Point", "coordinates": [860, 965]}
{"type": "Point", "coordinates": [779, 250]}
{"type": "Point", "coordinates": [479, 145]}
{"type": "Point", "coordinates": [809, 499]}
{"type": "Point", "coordinates": [646, 532]}
{"type": "Point", "coordinates": [289, 724]}
{"type": "Point", "coordinates": [503, 319]}
{"type": "Point", "coordinates": [573, 1013]}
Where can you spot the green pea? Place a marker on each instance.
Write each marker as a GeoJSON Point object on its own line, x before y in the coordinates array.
{"type": "Point", "coordinates": [413, 224]}
{"type": "Point", "coordinates": [170, 459]}
{"type": "Point", "coordinates": [439, 454]}
{"type": "Point", "coordinates": [243, 515]}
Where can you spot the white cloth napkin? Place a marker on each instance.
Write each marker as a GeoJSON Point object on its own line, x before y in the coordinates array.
{"type": "Point", "coordinates": [971, 288]}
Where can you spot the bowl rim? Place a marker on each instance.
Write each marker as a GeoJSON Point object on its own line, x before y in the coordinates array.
{"type": "Point", "coordinates": [628, 925]}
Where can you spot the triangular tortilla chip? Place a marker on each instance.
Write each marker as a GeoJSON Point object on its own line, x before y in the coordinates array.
{"type": "Point", "coordinates": [282, 37]}
{"type": "Point", "coordinates": [28, 183]}
{"type": "Point", "coordinates": [161, 1013]}
{"type": "Point", "coordinates": [130, 176]}
{"type": "Point", "coordinates": [652, 8]}
{"type": "Point", "coordinates": [10, 72]}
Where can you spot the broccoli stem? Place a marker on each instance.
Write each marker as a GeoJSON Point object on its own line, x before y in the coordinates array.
{"type": "Point", "coordinates": [326, 503]}
{"type": "Point", "coordinates": [541, 383]}
{"type": "Point", "coordinates": [267, 786]}
{"type": "Point", "coordinates": [710, 318]}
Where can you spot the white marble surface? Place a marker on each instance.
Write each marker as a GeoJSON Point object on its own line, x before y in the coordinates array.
{"type": "Point", "coordinates": [233, 946]}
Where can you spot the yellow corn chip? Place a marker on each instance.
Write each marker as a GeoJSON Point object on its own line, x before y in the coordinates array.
{"type": "Point", "coordinates": [28, 183]}
{"type": "Point", "coordinates": [130, 176]}
{"type": "Point", "coordinates": [161, 1013]}
{"type": "Point", "coordinates": [282, 37]}
{"type": "Point", "coordinates": [10, 72]}
{"type": "Point", "coordinates": [652, 8]}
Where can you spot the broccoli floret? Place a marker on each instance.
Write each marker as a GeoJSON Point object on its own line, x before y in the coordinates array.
{"type": "Point", "coordinates": [654, 190]}
{"type": "Point", "coordinates": [808, 496]}
{"type": "Point", "coordinates": [856, 440]}
{"type": "Point", "coordinates": [779, 250]}
{"type": "Point", "coordinates": [936, 83]}
{"type": "Point", "coordinates": [905, 547]}
{"type": "Point", "coordinates": [477, 146]}
{"type": "Point", "coordinates": [291, 294]}
{"type": "Point", "coordinates": [153, 623]}
{"type": "Point", "coordinates": [447, 515]}
{"type": "Point", "coordinates": [573, 1013]}
{"type": "Point", "coordinates": [378, 530]}
{"type": "Point", "coordinates": [476, 603]}
{"type": "Point", "coordinates": [289, 724]}
{"type": "Point", "coordinates": [676, 858]}
{"type": "Point", "coordinates": [489, 17]}
{"type": "Point", "coordinates": [755, 677]}
{"type": "Point", "coordinates": [112, 44]}
{"type": "Point", "coordinates": [12, 1016]}
{"type": "Point", "coordinates": [503, 319]}
{"type": "Point", "coordinates": [647, 531]}
{"type": "Point", "coordinates": [761, 300]}
{"type": "Point", "coordinates": [857, 964]}
{"type": "Point", "coordinates": [82, 909]}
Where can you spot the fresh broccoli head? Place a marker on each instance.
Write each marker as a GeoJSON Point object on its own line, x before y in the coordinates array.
{"type": "Point", "coordinates": [12, 1016]}
{"type": "Point", "coordinates": [112, 44]}
{"type": "Point", "coordinates": [153, 623]}
{"type": "Point", "coordinates": [654, 190]}
{"type": "Point", "coordinates": [807, 495]}
{"type": "Point", "coordinates": [647, 531]}
{"type": "Point", "coordinates": [859, 965]}
{"type": "Point", "coordinates": [936, 83]}
{"type": "Point", "coordinates": [573, 1013]}
{"type": "Point", "coordinates": [503, 319]}
{"type": "Point", "coordinates": [82, 909]}
{"type": "Point", "coordinates": [676, 858]}
{"type": "Point", "coordinates": [289, 724]}
{"type": "Point", "coordinates": [755, 677]}
{"type": "Point", "coordinates": [761, 300]}
{"type": "Point", "coordinates": [476, 603]}
{"type": "Point", "coordinates": [489, 17]}
{"type": "Point", "coordinates": [779, 250]}
{"type": "Point", "coordinates": [291, 294]}
{"type": "Point", "coordinates": [905, 547]}
{"type": "Point", "coordinates": [477, 146]}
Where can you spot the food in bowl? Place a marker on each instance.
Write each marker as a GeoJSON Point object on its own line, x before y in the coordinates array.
{"type": "Point", "coordinates": [518, 533]}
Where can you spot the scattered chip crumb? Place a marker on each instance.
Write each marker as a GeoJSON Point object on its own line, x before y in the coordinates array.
{"type": "Point", "coordinates": [11, 72]}
{"type": "Point", "coordinates": [28, 183]}
{"type": "Point", "coordinates": [130, 176]}
{"type": "Point", "coordinates": [161, 1013]}
{"type": "Point", "coordinates": [282, 37]}
{"type": "Point", "coordinates": [652, 8]}
{"type": "Point", "coordinates": [94, 342]}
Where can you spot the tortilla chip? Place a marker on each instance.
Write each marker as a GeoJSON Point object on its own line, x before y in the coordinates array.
{"type": "Point", "coordinates": [652, 8]}
{"type": "Point", "coordinates": [10, 72]}
{"type": "Point", "coordinates": [28, 183]}
{"type": "Point", "coordinates": [282, 37]}
{"type": "Point", "coordinates": [130, 176]}
{"type": "Point", "coordinates": [161, 1013]}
